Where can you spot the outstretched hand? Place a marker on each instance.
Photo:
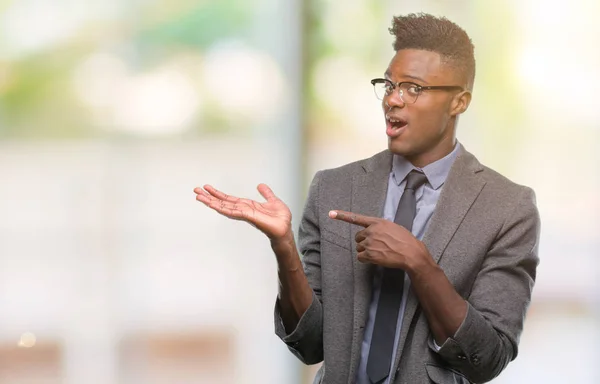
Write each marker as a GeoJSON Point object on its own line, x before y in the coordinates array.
{"type": "Point", "coordinates": [272, 217]}
{"type": "Point", "coordinates": [384, 242]}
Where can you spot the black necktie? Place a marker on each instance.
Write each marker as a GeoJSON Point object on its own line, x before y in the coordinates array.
{"type": "Point", "coordinates": [392, 286]}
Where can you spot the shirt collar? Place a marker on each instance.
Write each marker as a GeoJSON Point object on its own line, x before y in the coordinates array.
{"type": "Point", "coordinates": [436, 172]}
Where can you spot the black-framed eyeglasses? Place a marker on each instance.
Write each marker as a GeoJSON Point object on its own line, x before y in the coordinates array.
{"type": "Point", "coordinates": [409, 92]}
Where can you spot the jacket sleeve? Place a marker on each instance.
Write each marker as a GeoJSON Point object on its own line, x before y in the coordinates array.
{"type": "Point", "coordinates": [306, 341]}
{"type": "Point", "coordinates": [487, 339]}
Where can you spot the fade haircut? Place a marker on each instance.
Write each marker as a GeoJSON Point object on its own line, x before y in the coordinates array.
{"type": "Point", "coordinates": [436, 34]}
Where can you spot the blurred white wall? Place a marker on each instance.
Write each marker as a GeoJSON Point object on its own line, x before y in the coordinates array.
{"type": "Point", "coordinates": [103, 244]}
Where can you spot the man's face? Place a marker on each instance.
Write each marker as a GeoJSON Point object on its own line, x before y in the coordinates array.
{"type": "Point", "coordinates": [424, 131]}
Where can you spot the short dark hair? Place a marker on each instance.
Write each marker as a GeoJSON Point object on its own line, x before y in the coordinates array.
{"type": "Point", "coordinates": [436, 34]}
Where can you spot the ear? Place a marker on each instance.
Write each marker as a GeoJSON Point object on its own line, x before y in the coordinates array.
{"type": "Point", "coordinates": [460, 103]}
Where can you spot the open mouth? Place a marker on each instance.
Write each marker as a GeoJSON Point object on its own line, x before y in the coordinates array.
{"type": "Point", "coordinates": [395, 123]}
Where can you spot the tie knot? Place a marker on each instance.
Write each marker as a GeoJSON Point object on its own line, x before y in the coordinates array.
{"type": "Point", "coordinates": [415, 179]}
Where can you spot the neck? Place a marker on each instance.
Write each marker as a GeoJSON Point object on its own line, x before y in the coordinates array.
{"type": "Point", "coordinates": [439, 151]}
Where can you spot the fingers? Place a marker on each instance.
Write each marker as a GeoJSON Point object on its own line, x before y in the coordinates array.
{"type": "Point", "coordinates": [361, 241]}
{"type": "Point", "coordinates": [219, 204]}
{"type": "Point", "coordinates": [360, 247]}
{"type": "Point", "coordinates": [353, 218]}
{"type": "Point", "coordinates": [218, 194]}
{"type": "Point", "coordinates": [217, 200]}
{"type": "Point", "coordinates": [263, 189]}
{"type": "Point", "coordinates": [364, 257]}
{"type": "Point", "coordinates": [226, 208]}
{"type": "Point", "coordinates": [266, 192]}
{"type": "Point", "coordinates": [361, 235]}
{"type": "Point", "coordinates": [235, 214]}
{"type": "Point", "coordinates": [204, 197]}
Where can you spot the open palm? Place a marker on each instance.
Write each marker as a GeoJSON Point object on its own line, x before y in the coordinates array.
{"type": "Point", "coordinates": [272, 217]}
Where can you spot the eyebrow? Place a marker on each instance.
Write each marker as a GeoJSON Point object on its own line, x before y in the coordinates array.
{"type": "Point", "coordinates": [388, 75]}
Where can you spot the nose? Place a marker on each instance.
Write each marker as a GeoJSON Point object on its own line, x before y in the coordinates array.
{"type": "Point", "coordinates": [394, 100]}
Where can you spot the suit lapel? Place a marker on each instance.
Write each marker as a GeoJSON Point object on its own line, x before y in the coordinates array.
{"type": "Point", "coordinates": [369, 191]}
{"type": "Point", "coordinates": [460, 191]}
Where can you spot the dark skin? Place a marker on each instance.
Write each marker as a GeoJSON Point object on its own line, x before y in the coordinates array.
{"type": "Point", "coordinates": [274, 219]}
{"type": "Point", "coordinates": [431, 130]}
{"type": "Point", "coordinates": [390, 245]}
{"type": "Point", "coordinates": [428, 136]}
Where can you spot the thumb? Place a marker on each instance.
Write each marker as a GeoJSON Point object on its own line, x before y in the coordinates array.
{"type": "Point", "coordinates": [266, 192]}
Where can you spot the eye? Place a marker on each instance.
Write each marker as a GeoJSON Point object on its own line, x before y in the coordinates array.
{"type": "Point", "coordinates": [414, 89]}
{"type": "Point", "coordinates": [389, 87]}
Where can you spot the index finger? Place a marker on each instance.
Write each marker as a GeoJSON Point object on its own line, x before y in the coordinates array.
{"type": "Point", "coordinates": [353, 218]}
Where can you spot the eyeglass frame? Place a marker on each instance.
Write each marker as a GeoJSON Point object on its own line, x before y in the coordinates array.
{"type": "Point", "coordinates": [420, 87]}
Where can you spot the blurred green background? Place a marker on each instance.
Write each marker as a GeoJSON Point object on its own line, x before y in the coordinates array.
{"type": "Point", "coordinates": [111, 112]}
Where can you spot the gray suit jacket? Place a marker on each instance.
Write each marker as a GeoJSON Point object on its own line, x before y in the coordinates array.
{"type": "Point", "coordinates": [484, 234]}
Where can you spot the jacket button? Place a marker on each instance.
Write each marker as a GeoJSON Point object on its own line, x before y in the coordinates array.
{"type": "Point", "coordinates": [461, 357]}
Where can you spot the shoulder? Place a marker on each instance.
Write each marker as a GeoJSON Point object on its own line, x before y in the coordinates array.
{"type": "Point", "coordinates": [498, 181]}
{"type": "Point", "coordinates": [500, 204]}
{"type": "Point", "coordinates": [500, 187]}
{"type": "Point", "coordinates": [493, 178]}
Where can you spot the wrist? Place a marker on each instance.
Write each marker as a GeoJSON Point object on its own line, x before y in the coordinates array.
{"type": "Point", "coordinates": [284, 241]}
{"type": "Point", "coordinates": [285, 251]}
{"type": "Point", "coordinates": [421, 264]}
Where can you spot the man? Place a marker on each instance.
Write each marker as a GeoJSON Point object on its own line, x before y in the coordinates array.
{"type": "Point", "coordinates": [418, 263]}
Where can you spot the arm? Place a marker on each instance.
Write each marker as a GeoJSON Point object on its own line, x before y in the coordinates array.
{"type": "Point", "coordinates": [479, 337]}
{"type": "Point", "coordinates": [444, 308]}
{"type": "Point", "coordinates": [295, 295]}
{"type": "Point", "coordinates": [298, 310]}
